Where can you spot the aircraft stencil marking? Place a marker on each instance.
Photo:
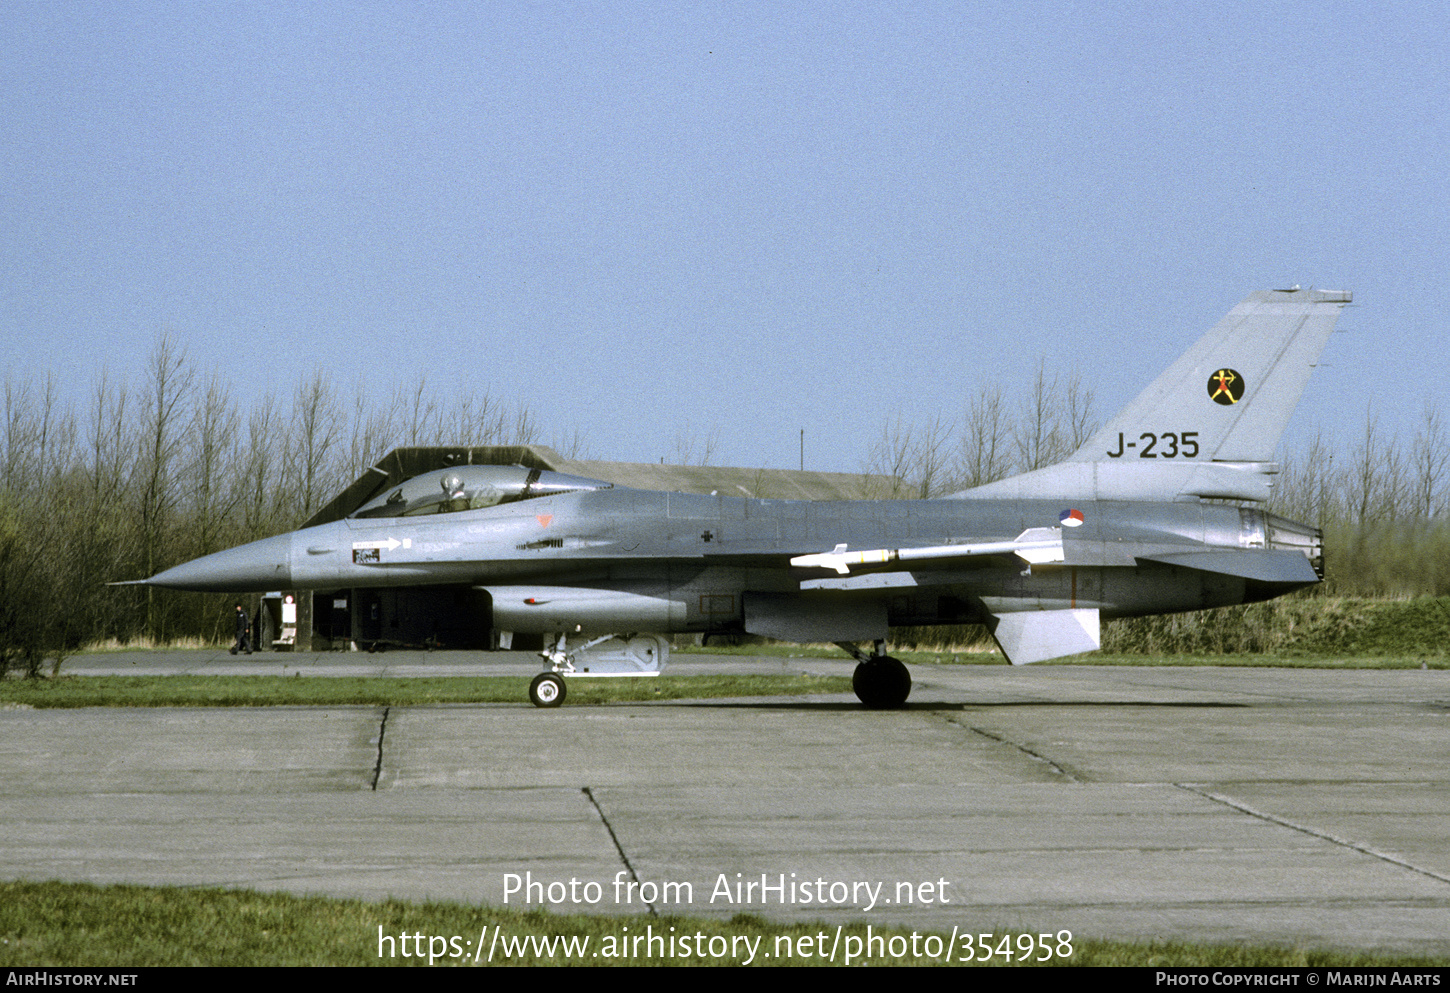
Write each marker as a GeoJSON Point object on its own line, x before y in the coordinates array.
{"type": "Point", "coordinates": [371, 552]}
{"type": "Point", "coordinates": [387, 544]}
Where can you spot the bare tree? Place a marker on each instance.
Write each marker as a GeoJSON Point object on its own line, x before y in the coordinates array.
{"type": "Point", "coordinates": [316, 425]}
{"type": "Point", "coordinates": [372, 432]}
{"type": "Point", "coordinates": [1376, 477]}
{"type": "Point", "coordinates": [213, 481]}
{"type": "Point", "coordinates": [526, 431]}
{"type": "Point", "coordinates": [1040, 437]}
{"type": "Point", "coordinates": [928, 456]}
{"type": "Point", "coordinates": [475, 419]}
{"type": "Point", "coordinates": [985, 455]}
{"type": "Point", "coordinates": [110, 443]}
{"type": "Point", "coordinates": [913, 461]}
{"type": "Point", "coordinates": [1306, 486]}
{"type": "Point", "coordinates": [214, 487]}
{"type": "Point", "coordinates": [42, 503]}
{"type": "Point", "coordinates": [104, 543]}
{"type": "Point", "coordinates": [1429, 463]}
{"type": "Point", "coordinates": [890, 458]}
{"type": "Point", "coordinates": [420, 413]}
{"type": "Point", "coordinates": [1323, 480]}
{"type": "Point", "coordinates": [57, 429]}
{"type": "Point", "coordinates": [573, 446]}
{"type": "Point", "coordinates": [22, 435]}
{"type": "Point", "coordinates": [1079, 413]}
{"type": "Point", "coordinates": [169, 387]}
{"type": "Point", "coordinates": [259, 464]}
{"type": "Point", "coordinates": [690, 449]}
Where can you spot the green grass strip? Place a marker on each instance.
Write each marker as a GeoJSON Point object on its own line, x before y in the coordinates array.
{"type": "Point", "coordinates": [273, 691]}
{"type": "Point", "coordinates": [79, 924]}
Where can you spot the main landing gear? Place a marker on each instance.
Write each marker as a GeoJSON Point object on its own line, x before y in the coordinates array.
{"type": "Point", "coordinates": [880, 681]}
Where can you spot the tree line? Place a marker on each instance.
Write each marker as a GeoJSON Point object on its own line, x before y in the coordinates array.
{"type": "Point", "coordinates": [138, 479]}
{"type": "Point", "coordinates": [141, 479]}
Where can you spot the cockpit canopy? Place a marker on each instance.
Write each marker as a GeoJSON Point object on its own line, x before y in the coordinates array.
{"type": "Point", "coordinates": [472, 487]}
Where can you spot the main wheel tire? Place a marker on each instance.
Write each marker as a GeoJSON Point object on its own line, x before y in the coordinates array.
{"type": "Point", "coordinates": [882, 683]}
{"type": "Point", "coordinates": [547, 690]}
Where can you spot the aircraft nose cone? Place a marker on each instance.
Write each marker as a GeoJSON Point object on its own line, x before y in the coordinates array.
{"type": "Point", "coordinates": [260, 566]}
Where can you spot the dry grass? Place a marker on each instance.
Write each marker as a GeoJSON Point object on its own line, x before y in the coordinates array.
{"type": "Point", "coordinates": [144, 643]}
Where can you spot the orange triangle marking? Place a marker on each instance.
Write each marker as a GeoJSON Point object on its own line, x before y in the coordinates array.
{"type": "Point", "coordinates": [544, 519]}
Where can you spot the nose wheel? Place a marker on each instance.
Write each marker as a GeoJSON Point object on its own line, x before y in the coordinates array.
{"type": "Point", "coordinates": [547, 690]}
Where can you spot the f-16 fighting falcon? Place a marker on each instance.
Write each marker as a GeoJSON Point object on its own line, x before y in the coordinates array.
{"type": "Point", "coordinates": [1146, 518]}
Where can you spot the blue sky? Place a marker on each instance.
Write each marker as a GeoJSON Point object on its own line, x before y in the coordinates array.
{"type": "Point", "coordinates": [651, 218]}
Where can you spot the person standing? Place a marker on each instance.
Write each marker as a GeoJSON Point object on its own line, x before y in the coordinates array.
{"type": "Point", "coordinates": [244, 629]}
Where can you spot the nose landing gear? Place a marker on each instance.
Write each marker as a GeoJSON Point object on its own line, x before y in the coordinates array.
{"type": "Point", "coordinates": [547, 690]}
{"type": "Point", "coordinates": [609, 655]}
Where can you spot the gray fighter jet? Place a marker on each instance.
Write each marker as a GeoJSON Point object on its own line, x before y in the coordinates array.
{"type": "Point", "coordinates": [1146, 518]}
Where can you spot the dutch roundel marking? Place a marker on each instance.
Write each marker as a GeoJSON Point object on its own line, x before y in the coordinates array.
{"type": "Point", "coordinates": [1070, 518]}
{"type": "Point", "coordinates": [1226, 387]}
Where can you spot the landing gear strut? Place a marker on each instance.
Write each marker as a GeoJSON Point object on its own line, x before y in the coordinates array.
{"type": "Point", "coordinates": [880, 681]}
{"type": "Point", "coordinates": [584, 657]}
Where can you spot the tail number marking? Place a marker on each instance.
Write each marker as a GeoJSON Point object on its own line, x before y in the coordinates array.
{"type": "Point", "coordinates": [1177, 445]}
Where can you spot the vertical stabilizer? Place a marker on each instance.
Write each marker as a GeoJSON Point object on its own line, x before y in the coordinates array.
{"type": "Point", "coordinates": [1230, 396]}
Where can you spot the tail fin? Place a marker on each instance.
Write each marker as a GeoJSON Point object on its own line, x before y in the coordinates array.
{"type": "Point", "coordinates": [1230, 396]}
{"type": "Point", "coordinates": [1208, 426]}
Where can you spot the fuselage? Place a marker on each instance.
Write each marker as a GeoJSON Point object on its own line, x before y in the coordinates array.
{"type": "Point", "coordinates": [684, 562]}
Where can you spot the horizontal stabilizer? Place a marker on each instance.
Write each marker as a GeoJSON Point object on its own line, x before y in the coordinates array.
{"type": "Point", "coordinates": [1268, 566]}
{"type": "Point", "coordinates": [1037, 635]}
